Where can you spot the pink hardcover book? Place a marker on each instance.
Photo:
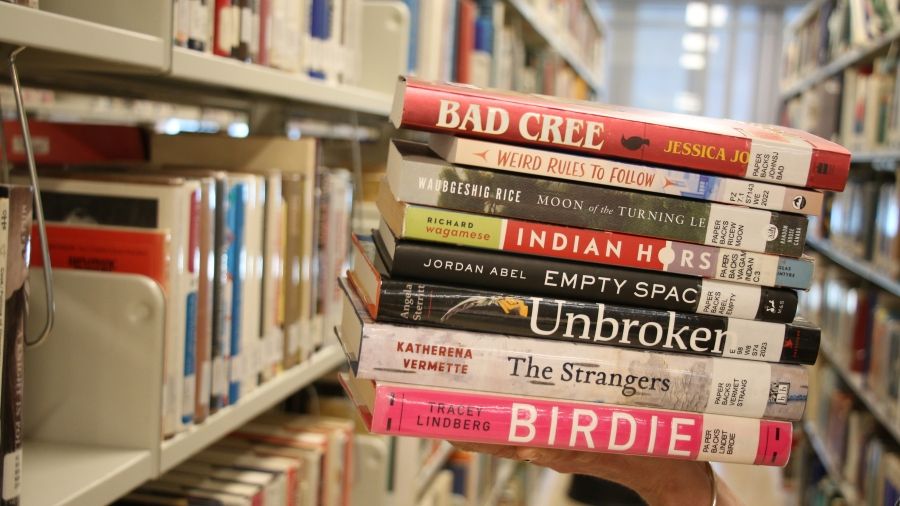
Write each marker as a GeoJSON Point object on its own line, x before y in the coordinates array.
{"type": "Point", "coordinates": [462, 415]}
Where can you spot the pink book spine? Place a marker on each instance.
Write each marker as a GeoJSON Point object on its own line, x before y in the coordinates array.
{"type": "Point", "coordinates": [491, 418]}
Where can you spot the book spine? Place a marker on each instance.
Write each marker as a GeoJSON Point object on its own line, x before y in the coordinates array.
{"type": "Point", "coordinates": [609, 248]}
{"type": "Point", "coordinates": [15, 224]}
{"type": "Point", "coordinates": [222, 289]}
{"type": "Point", "coordinates": [595, 323]}
{"type": "Point", "coordinates": [500, 419]}
{"type": "Point", "coordinates": [223, 27]}
{"type": "Point", "coordinates": [447, 186]}
{"type": "Point", "coordinates": [191, 277]}
{"type": "Point", "coordinates": [236, 251]}
{"type": "Point", "coordinates": [596, 283]}
{"type": "Point", "coordinates": [762, 154]}
{"type": "Point", "coordinates": [199, 25]}
{"type": "Point", "coordinates": [604, 172]}
{"type": "Point", "coordinates": [580, 372]}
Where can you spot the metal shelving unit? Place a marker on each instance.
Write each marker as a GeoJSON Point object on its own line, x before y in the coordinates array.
{"type": "Point", "coordinates": [179, 448]}
{"type": "Point", "coordinates": [218, 72]}
{"type": "Point", "coordinates": [858, 387]}
{"type": "Point", "coordinates": [861, 268]}
{"type": "Point", "coordinates": [52, 33]}
{"type": "Point", "coordinates": [557, 42]}
{"type": "Point", "coordinates": [105, 46]}
{"type": "Point", "coordinates": [840, 63]}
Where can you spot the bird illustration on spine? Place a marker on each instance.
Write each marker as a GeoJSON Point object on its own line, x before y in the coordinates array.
{"type": "Point", "coordinates": [507, 304]}
{"type": "Point", "coordinates": [635, 142]}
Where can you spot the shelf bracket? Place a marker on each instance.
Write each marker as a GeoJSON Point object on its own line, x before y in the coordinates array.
{"type": "Point", "coordinates": [38, 207]}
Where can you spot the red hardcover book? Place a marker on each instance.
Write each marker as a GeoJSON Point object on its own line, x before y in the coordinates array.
{"type": "Point", "coordinates": [465, 40]}
{"type": "Point", "coordinates": [69, 143]}
{"type": "Point", "coordinates": [752, 151]}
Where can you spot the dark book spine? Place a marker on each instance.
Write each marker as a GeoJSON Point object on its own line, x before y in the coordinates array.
{"type": "Point", "coordinates": [596, 283]}
{"type": "Point", "coordinates": [15, 220]}
{"type": "Point", "coordinates": [416, 303]}
{"type": "Point", "coordinates": [416, 178]}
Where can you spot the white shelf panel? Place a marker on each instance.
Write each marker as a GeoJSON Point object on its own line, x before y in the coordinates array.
{"type": "Point", "coordinates": [57, 474]}
{"type": "Point", "coordinates": [555, 41]}
{"type": "Point", "coordinates": [22, 26]}
{"type": "Point", "coordinates": [182, 446]}
{"type": "Point", "coordinates": [207, 69]}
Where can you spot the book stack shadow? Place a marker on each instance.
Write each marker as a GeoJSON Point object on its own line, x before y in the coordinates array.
{"type": "Point", "coordinates": [571, 275]}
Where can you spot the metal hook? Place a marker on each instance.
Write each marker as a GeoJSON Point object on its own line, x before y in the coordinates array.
{"type": "Point", "coordinates": [38, 206]}
{"type": "Point", "coordinates": [356, 160]}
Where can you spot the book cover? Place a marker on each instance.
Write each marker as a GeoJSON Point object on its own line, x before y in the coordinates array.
{"type": "Point", "coordinates": [417, 177]}
{"type": "Point", "coordinates": [745, 150]}
{"type": "Point", "coordinates": [15, 234]}
{"type": "Point", "coordinates": [407, 221]}
{"type": "Point", "coordinates": [463, 415]}
{"type": "Point", "coordinates": [105, 248]}
{"type": "Point", "coordinates": [631, 176]}
{"type": "Point", "coordinates": [573, 371]}
{"type": "Point", "coordinates": [575, 280]}
{"type": "Point", "coordinates": [236, 249]}
{"type": "Point", "coordinates": [449, 306]}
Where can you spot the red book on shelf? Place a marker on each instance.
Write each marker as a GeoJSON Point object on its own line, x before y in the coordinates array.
{"type": "Point", "coordinates": [70, 143]}
{"type": "Point", "coordinates": [223, 28]}
{"type": "Point", "coordinates": [747, 150]}
{"type": "Point", "coordinates": [862, 331]}
{"type": "Point", "coordinates": [105, 248]}
{"type": "Point", "coordinates": [465, 40]}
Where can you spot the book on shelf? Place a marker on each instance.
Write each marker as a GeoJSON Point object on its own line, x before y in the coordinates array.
{"type": "Point", "coordinates": [15, 236]}
{"type": "Point", "coordinates": [760, 152]}
{"type": "Point", "coordinates": [313, 448]}
{"type": "Point", "coordinates": [272, 487]}
{"type": "Point", "coordinates": [590, 282]}
{"type": "Point", "coordinates": [106, 248]}
{"type": "Point", "coordinates": [73, 144]}
{"type": "Point", "coordinates": [886, 240]}
{"type": "Point", "coordinates": [283, 469]}
{"type": "Point", "coordinates": [631, 176]}
{"type": "Point", "coordinates": [391, 299]}
{"type": "Point", "coordinates": [465, 415]}
{"type": "Point", "coordinates": [575, 371]}
{"type": "Point", "coordinates": [215, 236]}
{"type": "Point", "coordinates": [443, 226]}
{"type": "Point", "coordinates": [417, 177]}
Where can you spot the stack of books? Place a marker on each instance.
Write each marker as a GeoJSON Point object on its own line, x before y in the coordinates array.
{"type": "Point", "coordinates": [526, 286]}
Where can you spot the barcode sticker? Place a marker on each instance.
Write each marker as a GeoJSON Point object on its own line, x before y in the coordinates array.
{"type": "Point", "coordinates": [12, 475]}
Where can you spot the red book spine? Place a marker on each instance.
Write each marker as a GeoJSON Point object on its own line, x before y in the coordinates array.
{"type": "Point", "coordinates": [759, 152]}
{"type": "Point", "coordinates": [65, 143]}
{"type": "Point", "coordinates": [465, 40]}
{"type": "Point", "coordinates": [222, 28]}
{"type": "Point", "coordinates": [265, 23]}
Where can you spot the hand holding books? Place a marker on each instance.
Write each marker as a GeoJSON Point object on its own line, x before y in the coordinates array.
{"type": "Point", "coordinates": [659, 482]}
